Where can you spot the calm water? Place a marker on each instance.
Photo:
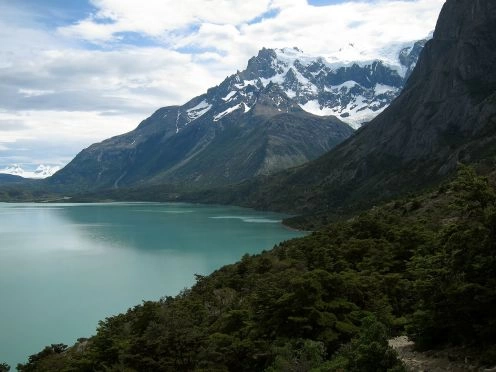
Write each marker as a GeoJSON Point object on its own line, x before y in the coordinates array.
{"type": "Point", "coordinates": [63, 267]}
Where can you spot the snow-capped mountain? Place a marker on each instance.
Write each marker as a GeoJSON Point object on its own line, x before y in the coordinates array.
{"type": "Point", "coordinates": [444, 117]}
{"type": "Point", "coordinates": [284, 109]}
{"type": "Point", "coordinates": [354, 90]}
{"type": "Point", "coordinates": [42, 171]}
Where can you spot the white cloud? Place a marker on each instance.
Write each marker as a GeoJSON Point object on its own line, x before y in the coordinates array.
{"type": "Point", "coordinates": [131, 80]}
{"type": "Point", "coordinates": [155, 17]}
{"type": "Point", "coordinates": [323, 30]}
{"type": "Point", "coordinates": [35, 92]}
{"type": "Point", "coordinates": [57, 125]}
{"type": "Point", "coordinates": [54, 137]}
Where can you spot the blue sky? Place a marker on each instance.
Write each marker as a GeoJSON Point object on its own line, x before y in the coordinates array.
{"type": "Point", "coordinates": [76, 72]}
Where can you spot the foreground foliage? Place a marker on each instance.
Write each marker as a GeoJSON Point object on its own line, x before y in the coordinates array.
{"type": "Point", "coordinates": [326, 302]}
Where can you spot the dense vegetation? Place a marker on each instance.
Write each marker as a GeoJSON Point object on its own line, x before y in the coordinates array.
{"type": "Point", "coordinates": [28, 190]}
{"type": "Point", "coordinates": [326, 302]}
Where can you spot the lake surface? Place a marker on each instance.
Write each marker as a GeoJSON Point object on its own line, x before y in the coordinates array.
{"type": "Point", "coordinates": [63, 267]}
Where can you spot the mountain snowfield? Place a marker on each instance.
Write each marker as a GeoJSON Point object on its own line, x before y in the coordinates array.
{"type": "Point", "coordinates": [42, 171]}
{"type": "Point", "coordinates": [351, 84]}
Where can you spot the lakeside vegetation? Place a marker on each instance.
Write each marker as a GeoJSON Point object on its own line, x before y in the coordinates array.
{"type": "Point", "coordinates": [424, 266]}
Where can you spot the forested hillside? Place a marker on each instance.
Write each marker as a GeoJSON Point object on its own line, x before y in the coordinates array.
{"type": "Point", "coordinates": [424, 266]}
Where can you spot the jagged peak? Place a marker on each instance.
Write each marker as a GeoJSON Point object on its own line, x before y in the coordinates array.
{"type": "Point", "coordinates": [315, 83]}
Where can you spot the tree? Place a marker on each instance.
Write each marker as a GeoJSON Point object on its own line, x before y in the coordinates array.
{"type": "Point", "coordinates": [369, 352]}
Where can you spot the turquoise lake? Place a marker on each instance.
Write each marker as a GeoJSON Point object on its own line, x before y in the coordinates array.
{"type": "Point", "coordinates": [64, 267]}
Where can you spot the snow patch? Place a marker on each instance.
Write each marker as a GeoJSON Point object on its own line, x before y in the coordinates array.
{"type": "Point", "coordinates": [177, 121]}
{"type": "Point", "coordinates": [382, 89]}
{"type": "Point", "coordinates": [359, 111]}
{"type": "Point", "coordinates": [354, 114]}
{"type": "Point", "coordinates": [290, 55]}
{"type": "Point", "coordinates": [290, 93]}
{"type": "Point", "coordinates": [245, 83]}
{"type": "Point", "coordinates": [229, 96]}
{"type": "Point", "coordinates": [347, 84]}
{"type": "Point", "coordinates": [199, 110]}
{"type": "Point", "coordinates": [228, 111]}
{"type": "Point", "coordinates": [313, 107]}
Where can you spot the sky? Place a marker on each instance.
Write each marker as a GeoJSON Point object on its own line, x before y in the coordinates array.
{"type": "Point", "coordinates": [76, 72]}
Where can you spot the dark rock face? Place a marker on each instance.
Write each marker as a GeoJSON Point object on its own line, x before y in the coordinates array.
{"type": "Point", "coordinates": [366, 76]}
{"type": "Point", "coordinates": [446, 114]}
{"type": "Point", "coordinates": [261, 65]}
{"type": "Point", "coordinates": [452, 85]}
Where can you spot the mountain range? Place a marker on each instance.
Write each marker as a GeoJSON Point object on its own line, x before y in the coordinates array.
{"type": "Point", "coordinates": [285, 109]}
{"type": "Point", "coordinates": [42, 171]}
{"type": "Point", "coordinates": [445, 115]}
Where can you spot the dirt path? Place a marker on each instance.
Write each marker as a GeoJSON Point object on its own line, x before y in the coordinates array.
{"type": "Point", "coordinates": [439, 361]}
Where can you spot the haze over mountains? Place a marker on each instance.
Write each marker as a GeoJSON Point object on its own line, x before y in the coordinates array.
{"type": "Point", "coordinates": [284, 109]}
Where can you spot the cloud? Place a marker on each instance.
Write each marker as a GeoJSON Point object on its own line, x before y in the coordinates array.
{"type": "Point", "coordinates": [156, 17]}
{"type": "Point", "coordinates": [59, 125]}
{"type": "Point", "coordinates": [225, 24]}
{"type": "Point", "coordinates": [29, 153]}
{"type": "Point", "coordinates": [55, 137]}
{"type": "Point", "coordinates": [12, 125]}
{"type": "Point", "coordinates": [129, 80]}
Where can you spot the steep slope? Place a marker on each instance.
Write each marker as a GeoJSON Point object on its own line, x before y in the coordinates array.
{"type": "Point", "coordinates": [445, 115]}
